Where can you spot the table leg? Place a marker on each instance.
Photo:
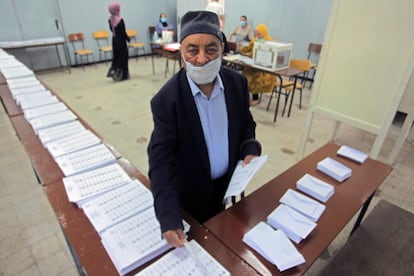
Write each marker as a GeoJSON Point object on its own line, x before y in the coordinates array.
{"type": "Point", "coordinates": [278, 97]}
{"type": "Point", "coordinates": [361, 214]}
{"type": "Point", "coordinates": [293, 94]}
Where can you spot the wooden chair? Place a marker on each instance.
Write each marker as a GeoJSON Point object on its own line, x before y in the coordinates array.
{"type": "Point", "coordinates": [314, 51]}
{"type": "Point", "coordinates": [173, 59]}
{"type": "Point", "coordinates": [102, 39]}
{"type": "Point", "coordinates": [78, 44]}
{"type": "Point", "coordinates": [284, 87]}
{"type": "Point", "coordinates": [134, 44]}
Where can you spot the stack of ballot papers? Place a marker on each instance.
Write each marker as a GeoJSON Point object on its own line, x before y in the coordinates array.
{"type": "Point", "coordinates": [44, 110]}
{"type": "Point", "coordinates": [32, 96]}
{"type": "Point", "coordinates": [189, 260]}
{"type": "Point", "coordinates": [83, 187]}
{"type": "Point", "coordinates": [117, 205]}
{"type": "Point", "coordinates": [50, 120]}
{"type": "Point", "coordinates": [72, 143]}
{"type": "Point", "coordinates": [135, 241]}
{"type": "Point", "coordinates": [303, 204]}
{"type": "Point", "coordinates": [274, 246]}
{"type": "Point", "coordinates": [334, 169]}
{"type": "Point", "coordinates": [59, 131]}
{"type": "Point", "coordinates": [315, 187]}
{"type": "Point", "coordinates": [27, 90]}
{"type": "Point", "coordinates": [35, 102]}
{"type": "Point", "coordinates": [85, 159]}
{"type": "Point", "coordinates": [242, 176]}
{"type": "Point", "coordinates": [294, 224]}
{"type": "Point", "coordinates": [352, 154]}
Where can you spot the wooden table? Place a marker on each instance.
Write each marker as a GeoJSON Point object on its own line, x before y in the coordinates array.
{"type": "Point", "coordinates": [230, 226]}
{"type": "Point", "coordinates": [42, 42]}
{"type": "Point", "coordinates": [88, 249]}
{"type": "Point", "coordinates": [9, 103]}
{"type": "Point", "coordinates": [289, 72]}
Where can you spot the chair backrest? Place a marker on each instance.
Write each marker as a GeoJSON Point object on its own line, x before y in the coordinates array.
{"type": "Point", "coordinates": [314, 50]}
{"type": "Point", "coordinates": [101, 38]}
{"type": "Point", "coordinates": [301, 64]}
{"type": "Point", "coordinates": [77, 39]}
{"type": "Point", "coordinates": [232, 46]}
{"type": "Point", "coordinates": [131, 34]}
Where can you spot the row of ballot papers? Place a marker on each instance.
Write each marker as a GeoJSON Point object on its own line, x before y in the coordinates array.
{"type": "Point", "coordinates": [297, 214]}
{"type": "Point", "coordinates": [119, 208]}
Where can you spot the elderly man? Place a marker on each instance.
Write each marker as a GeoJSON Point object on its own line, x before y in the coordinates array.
{"type": "Point", "coordinates": [202, 127]}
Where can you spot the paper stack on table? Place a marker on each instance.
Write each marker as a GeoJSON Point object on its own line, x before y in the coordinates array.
{"type": "Point", "coordinates": [352, 154]}
{"type": "Point", "coordinates": [274, 246]}
{"type": "Point", "coordinates": [334, 169]}
{"type": "Point", "coordinates": [181, 262]}
{"type": "Point", "coordinates": [303, 204]}
{"type": "Point", "coordinates": [294, 224]}
{"type": "Point", "coordinates": [315, 187]}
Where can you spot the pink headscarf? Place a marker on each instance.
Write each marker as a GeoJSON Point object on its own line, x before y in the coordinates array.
{"type": "Point", "coordinates": [114, 9]}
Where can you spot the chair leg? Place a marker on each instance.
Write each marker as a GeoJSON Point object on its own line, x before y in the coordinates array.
{"type": "Point", "coordinates": [300, 98]}
{"type": "Point", "coordinates": [286, 102]}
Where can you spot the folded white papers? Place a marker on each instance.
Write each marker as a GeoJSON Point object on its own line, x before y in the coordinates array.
{"type": "Point", "coordinates": [83, 187]}
{"type": "Point", "coordinates": [181, 262]}
{"type": "Point", "coordinates": [32, 96]}
{"type": "Point", "coordinates": [135, 241]}
{"type": "Point", "coordinates": [85, 159]}
{"type": "Point", "coordinates": [274, 246]}
{"type": "Point", "coordinates": [27, 90]}
{"type": "Point", "coordinates": [304, 204]}
{"type": "Point", "coordinates": [242, 176]}
{"type": "Point", "coordinates": [44, 110]}
{"type": "Point", "coordinates": [54, 119]}
{"type": "Point", "coordinates": [315, 187]}
{"type": "Point", "coordinates": [32, 103]}
{"type": "Point", "coordinates": [295, 225]}
{"type": "Point", "coordinates": [116, 205]}
{"type": "Point", "coordinates": [59, 131]}
{"type": "Point", "coordinates": [72, 143]}
{"type": "Point", "coordinates": [334, 169]}
{"type": "Point", "coordinates": [352, 154]}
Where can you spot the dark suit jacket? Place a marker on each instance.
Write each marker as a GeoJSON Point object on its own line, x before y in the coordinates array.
{"type": "Point", "coordinates": [179, 167]}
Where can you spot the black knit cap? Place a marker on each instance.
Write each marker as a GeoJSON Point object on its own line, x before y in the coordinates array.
{"type": "Point", "coordinates": [200, 22]}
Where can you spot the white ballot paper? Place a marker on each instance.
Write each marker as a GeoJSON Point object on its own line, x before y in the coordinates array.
{"type": "Point", "coordinates": [135, 241]}
{"type": "Point", "coordinates": [242, 176]}
{"type": "Point", "coordinates": [295, 225]}
{"type": "Point", "coordinates": [303, 204]}
{"type": "Point", "coordinates": [334, 169]}
{"type": "Point", "coordinates": [315, 187]}
{"type": "Point", "coordinates": [352, 154]}
{"type": "Point", "coordinates": [189, 260]}
{"type": "Point", "coordinates": [274, 246]}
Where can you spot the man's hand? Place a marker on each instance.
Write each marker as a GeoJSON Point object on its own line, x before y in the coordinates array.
{"type": "Point", "coordinates": [175, 238]}
{"type": "Point", "coordinates": [247, 159]}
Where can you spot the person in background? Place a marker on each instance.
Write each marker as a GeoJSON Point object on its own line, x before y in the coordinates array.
{"type": "Point", "coordinates": [243, 33]}
{"type": "Point", "coordinates": [258, 81]}
{"type": "Point", "coordinates": [217, 8]}
{"type": "Point", "coordinates": [202, 128]}
{"type": "Point", "coordinates": [163, 25]}
{"type": "Point", "coordinates": [119, 67]}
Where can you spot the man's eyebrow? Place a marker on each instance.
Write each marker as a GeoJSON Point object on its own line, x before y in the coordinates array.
{"type": "Point", "coordinates": [213, 43]}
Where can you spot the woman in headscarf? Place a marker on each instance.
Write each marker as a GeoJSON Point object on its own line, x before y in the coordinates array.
{"type": "Point", "coordinates": [258, 82]}
{"type": "Point", "coordinates": [119, 68]}
{"type": "Point", "coordinates": [163, 25]}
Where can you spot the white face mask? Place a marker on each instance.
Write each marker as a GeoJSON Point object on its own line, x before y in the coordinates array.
{"type": "Point", "coordinates": [204, 74]}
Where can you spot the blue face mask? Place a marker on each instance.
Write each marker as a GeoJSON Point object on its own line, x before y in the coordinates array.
{"type": "Point", "coordinates": [242, 23]}
{"type": "Point", "coordinates": [164, 19]}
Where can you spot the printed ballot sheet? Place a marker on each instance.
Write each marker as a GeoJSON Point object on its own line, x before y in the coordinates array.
{"type": "Point", "coordinates": [72, 143]}
{"type": "Point", "coordinates": [189, 260]}
{"type": "Point", "coordinates": [85, 186]}
{"type": "Point", "coordinates": [242, 176]}
{"type": "Point", "coordinates": [51, 120]}
{"type": "Point", "coordinates": [118, 204]}
{"type": "Point", "coordinates": [59, 131]}
{"type": "Point", "coordinates": [135, 241]}
{"type": "Point", "coordinates": [44, 110]}
{"type": "Point", "coordinates": [274, 246]}
{"type": "Point", "coordinates": [85, 159]}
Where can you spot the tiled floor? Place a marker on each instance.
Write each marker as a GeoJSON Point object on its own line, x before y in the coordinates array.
{"type": "Point", "coordinates": [31, 242]}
